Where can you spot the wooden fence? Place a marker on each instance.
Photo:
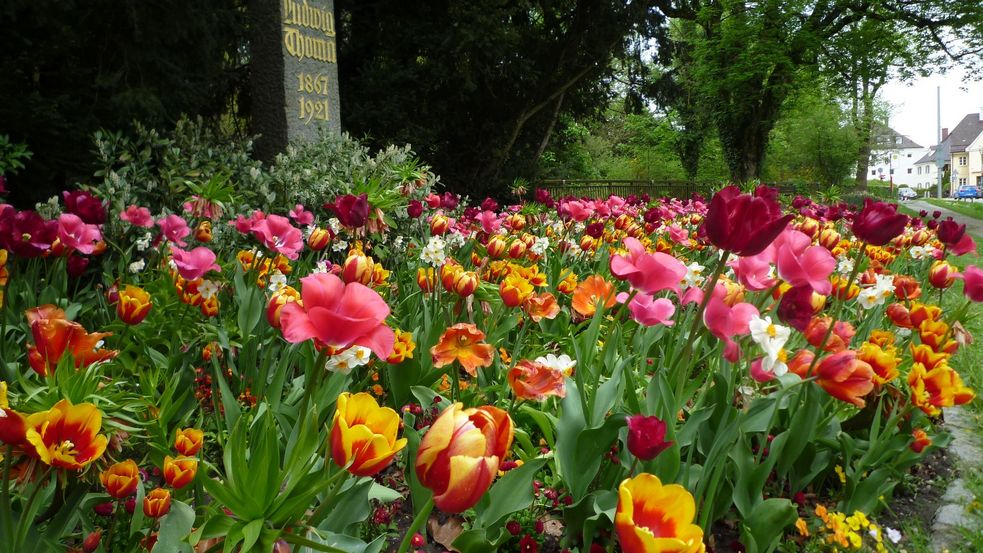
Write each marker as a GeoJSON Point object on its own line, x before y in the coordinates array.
{"type": "Point", "coordinates": [602, 188]}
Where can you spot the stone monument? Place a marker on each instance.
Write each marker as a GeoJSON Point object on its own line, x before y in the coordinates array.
{"type": "Point", "coordinates": [294, 72]}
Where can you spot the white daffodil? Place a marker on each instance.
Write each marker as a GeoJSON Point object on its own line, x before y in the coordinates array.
{"type": "Point", "coordinates": [769, 336]}
{"type": "Point", "coordinates": [694, 275]}
{"type": "Point", "coordinates": [562, 363]}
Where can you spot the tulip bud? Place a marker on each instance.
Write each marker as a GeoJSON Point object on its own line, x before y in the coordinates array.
{"type": "Point", "coordinates": [448, 274]}
{"type": "Point", "coordinates": [178, 473]}
{"type": "Point", "coordinates": [134, 304]}
{"type": "Point", "coordinates": [426, 278]}
{"type": "Point", "coordinates": [358, 268]}
{"type": "Point", "coordinates": [646, 437]}
{"type": "Point", "coordinates": [203, 232]}
{"type": "Point", "coordinates": [121, 479]}
{"type": "Point", "coordinates": [281, 297]}
{"type": "Point", "coordinates": [942, 274]}
{"type": "Point", "coordinates": [829, 238]}
{"type": "Point", "coordinates": [188, 441]}
{"type": "Point", "coordinates": [517, 248]}
{"type": "Point", "coordinates": [920, 440]}
{"type": "Point", "coordinates": [496, 247]}
{"type": "Point", "coordinates": [104, 509]}
{"type": "Point", "coordinates": [465, 283]}
{"type": "Point", "coordinates": [91, 542]}
{"type": "Point", "coordinates": [319, 239]}
{"type": "Point", "coordinates": [906, 287]}
{"type": "Point", "coordinates": [920, 237]}
{"type": "Point", "coordinates": [439, 225]}
{"type": "Point", "coordinates": [516, 222]}
{"type": "Point", "coordinates": [899, 315]}
{"type": "Point", "coordinates": [157, 503]}
{"type": "Point", "coordinates": [809, 227]}
{"type": "Point", "coordinates": [587, 243]}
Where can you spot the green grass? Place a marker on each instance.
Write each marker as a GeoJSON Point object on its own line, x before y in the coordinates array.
{"type": "Point", "coordinates": [971, 209]}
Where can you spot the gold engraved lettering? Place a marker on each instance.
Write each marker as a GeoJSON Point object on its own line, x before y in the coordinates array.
{"type": "Point", "coordinates": [303, 14]}
{"type": "Point", "coordinates": [302, 46]}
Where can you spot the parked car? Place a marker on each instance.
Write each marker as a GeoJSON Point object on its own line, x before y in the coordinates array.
{"type": "Point", "coordinates": [967, 192]}
{"type": "Point", "coordinates": [905, 193]}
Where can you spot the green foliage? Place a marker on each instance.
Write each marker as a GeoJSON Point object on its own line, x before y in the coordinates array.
{"type": "Point", "coordinates": [13, 155]}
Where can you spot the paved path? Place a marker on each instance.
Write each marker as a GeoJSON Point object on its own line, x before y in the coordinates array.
{"type": "Point", "coordinates": [973, 226]}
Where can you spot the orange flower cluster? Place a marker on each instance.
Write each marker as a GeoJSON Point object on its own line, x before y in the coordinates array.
{"type": "Point", "coordinates": [933, 383]}
{"type": "Point", "coordinates": [402, 348]}
{"type": "Point", "coordinates": [465, 344]}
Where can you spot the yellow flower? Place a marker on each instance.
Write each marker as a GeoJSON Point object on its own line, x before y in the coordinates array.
{"type": "Point", "coordinates": [656, 517]}
{"type": "Point", "coordinates": [841, 474]}
{"type": "Point", "coordinates": [802, 527]}
{"type": "Point", "coordinates": [67, 436]}
{"type": "Point", "coordinates": [402, 348]}
{"type": "Point", "coordinates": [363, 434]}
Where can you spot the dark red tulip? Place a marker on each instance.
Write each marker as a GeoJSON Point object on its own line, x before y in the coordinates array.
{"type": "Point", "coordinates": [415, 209]}
{"type": "Point", "coordinates": [744, 224]}
{"type": "Point", "coordinates": [878, 222]}
{"type": "Point", "coordinates": [3, 185]}
{"type": "Point", "coordinates": [489, 205]}
{"type": "Point", "coordinates": [936, 214]}
{"type": "Point", "coordinates": [89, 208]}
{"type": "Point", "coordinates": [795, 308]}
{"type": "Point", "coordinates": [594, 230]}
{"type": "Point", "coordinates": [923, 213]}
{"type": "Point", "coordinates": [951, 232]}
{"type": "Point", "coordinates": [646, 437]}
{"type": "Point", "coordinates": [352, 211]}
{"type": "Point", "coordinates": [543, 196]}
{"type": "Point", "coordinates": [933, 224]}
{"type": "Point", "coordinates": [449, 200]}
{"type": "Point", "coordinates": [26, 233]}
{"type": "Point", "coordinates": [77, 265]}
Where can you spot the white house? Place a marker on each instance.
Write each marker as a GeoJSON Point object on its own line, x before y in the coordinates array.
{"type": "Point", "coordinates": [926, 172]}
{"type": "Point", "coordinates": [893, 158]}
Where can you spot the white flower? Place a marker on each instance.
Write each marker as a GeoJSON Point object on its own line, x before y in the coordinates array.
{"type": "Point", "coordinates": [902, 332]}
{"type": "Point", "coordinates": [321, 267]}
{"type": "Point", "coordinates": [869, 298]}
{"type": "Point", "coordinates": [775, 365]}
{"type": "Point", "coordinates": [540, 246]}
{"type": "Point", "coordinates": [455, 240]}
{"type": "Point", "coordinates": [769, 336]}
{"type": "Point", "coordinates": [137, 266]}
{"type": "Point", "coordinates": [579, 228]}
{"type": "Point", "coordinates": [339, 245]}
{"type": "Point", "coordinates": [308, 230]}
{"type": "Point", "coordinates": [433, 252]}
{"type": "Point", "coordinates": [335, 225]}
{"type": "Point", "coordinates": [144, 243]}
{"type": "Point", "coordinates": [344, 362]}
{"type": "Point", "coordinates": [893, 535]}
{"type": "Point", "coordinates": [558, 228]}
{"type": "Point", "coordinates": [277, 281]}
{"type": "Point", "coordinates": [694, 275]}
{"type": "Point", "coordinates": [845, 266]}
{"type": "Point", "coordinates": [207, 289]}
{"type": "Point", "coordinates": [563, 363]}
{"type": "Point", "coordinates": [398, 243]}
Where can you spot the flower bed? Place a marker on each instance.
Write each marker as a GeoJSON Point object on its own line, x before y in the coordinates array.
{"type": "Point", "coordinates": [576, 375]}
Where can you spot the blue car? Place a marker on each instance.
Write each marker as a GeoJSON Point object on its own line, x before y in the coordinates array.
{"type": "Point", "coordinates": [967, 192]}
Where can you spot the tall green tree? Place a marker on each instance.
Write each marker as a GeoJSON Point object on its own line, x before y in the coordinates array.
{"type": "Point", "coordinates": [748, 54]}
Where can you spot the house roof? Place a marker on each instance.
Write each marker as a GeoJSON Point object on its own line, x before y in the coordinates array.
{"type": "Point", "coordinates": [928, 157]}
{"type": "Point", "coordinates": [965, 133]}
{"type": "Point", "coordinates": [886, 138]}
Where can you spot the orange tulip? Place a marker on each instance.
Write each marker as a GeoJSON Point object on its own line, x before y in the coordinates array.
{"type": "Point", "coordinates": [899, 315]}
{"type": "Point", "coordinates": [931, 390]}
{"type": "Point", "coordinates": [921, 312]}
{"type": "Point", "coordinates": [121, 479]}
{"type": "Point", "coordinates": [465, 344]}
{"type": "Point", "coordinates": [402, 348]}
{"type": "Point", "coordinates": [178, 473]}
{"type": "Point", "coordinates": [203, 232]}
{"type": "Point", "coordinates": [535, 381]}
{"type": "Point", "coordinates": [541, 306]}
{"type": "Point", "coordinates": [54, 336]}
{"type": "Point", "coordinates": [133, 305]}
{"type": "Point", "coordinates": [66, 436]}
{"type": "Point", "coordinates": [838, 340]}
{"type": "Point", "coordinates": [592, 291]}
{"type": "Point", "coordinates": [209, 307]}
{"type": "Point", "coordinates": [363, 434]}
{"type": "Point", "coordinates": [459, 456]}
{"type": "Point", "coordinates": [157, 503]}
{"type": "Point", "coordinates": [906, 287]}
{"type": "Point", "coordinates": [652, 517]}
{"type": "Point", "coordinates": [188, 441]}
{"type": "Point", "coordinates": [426, 278]}
{"type": "Point", "coordinates": [927, 356]}
{"type": "Point", "coordinates": [515, 290]}
{"type": "Point", "coordinates": [920, 440]}
{"type": "Point", "coordinates": [884, 361]}
{"type": "Point", "coordinates": [842, 375]}
{"type": "Point", "coordinates": [935, 334]}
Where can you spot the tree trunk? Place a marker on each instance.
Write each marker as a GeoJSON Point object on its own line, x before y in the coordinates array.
{"type": "Point", "coordinates": [865, 130]}
{"type": "Point", "coordinates": [549, 129]}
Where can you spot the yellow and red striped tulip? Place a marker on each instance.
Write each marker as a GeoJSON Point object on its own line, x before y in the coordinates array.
{"type": "Point", "coordinates": [363, 434]}
{"type": "Point", "coordinates": [66, 436]}
{"type": "Point", "coordinates": [121, 479]}
{"type": "Point", "coordinates": [180, 472]}
{"type": "Point", "coordinates": [459, 456]}
{"type": "Point", "coordinates": [652, 517]}
{"type": "Point", "coordinates": [134, 304]}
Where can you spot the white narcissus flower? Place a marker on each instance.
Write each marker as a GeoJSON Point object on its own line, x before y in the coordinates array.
{"type": "Point", "coordinates": [344, 362]}
{"type": "Point", "coordinates": [207, 289]}
{"type": "Point", "coordinates": [277, 281]}
{"type": "Point", "coordinates": [769, 336]}
{"type": "Point", "coordinates": [137, 266]}
{"type": "Point", "coordinates": [540, 246]}
{"type": "Point", "coordinates": [563, 363]}
{"type": "Point", "coordinates": [694, 275]}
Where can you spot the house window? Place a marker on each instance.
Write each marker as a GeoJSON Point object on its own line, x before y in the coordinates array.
{"type": "Point", "coordinates": [897, 140]}
{"type": "Point", "coordinates": [909, 170]}
{"type": "Point", "coordinates": [919, 170]}
{"type": "Point", "coordinates": [962, 161]}
{"type": "Point", "coordinates": [873, 172]}
{"type": "Point", "coordinates": [909, 155]}
{"type": "Point", "coordinates": [962, 181]}
{"type": "Point", "coordinates": [979, 180]}
{"type": "Point", "coordinates": [892, 171]}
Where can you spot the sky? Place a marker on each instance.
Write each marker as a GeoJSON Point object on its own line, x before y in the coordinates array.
{"type": "Point", "coordinates": [913, 103]}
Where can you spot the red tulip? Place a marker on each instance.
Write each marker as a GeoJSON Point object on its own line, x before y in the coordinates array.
{"type": "Point", "coordinates": [646, 437]}
{"type": "Point", "coordinates": [878, 222]}
{"type": "Point", "coordinates": [742, 223]}
{"type": "Point", "coordinates": [352, 211]}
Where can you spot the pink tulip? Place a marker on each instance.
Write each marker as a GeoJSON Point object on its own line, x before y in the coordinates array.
{"type": "Point", "coordinates": [301, 215]}
{"type": "Point", "coordinates": [76, 234]}
{"type": "Point", "coordinates": [338, 315]}
{"type": "Point", "coordinates": [754, 271]}
{"type": "Point", "coordinates": [244, 225]}
{"type": "Point", "coordinates": [800, 263]}
{"type": "Point", "coordinates": [964, 246]}
{"type": "Point", "coordinates": [725, 322]}
{"type": "Point", "coordinates": [649, 311]}
{"type": "Point", "coordinates": [194, 264]}
{"type": "Point", "coordinates": [174, 229]}
{"type": "Point", "coordinates": [648, 272]}
{"type": "Point", "coordinates": [677, 234]}
{"type": "Point", "coordinates": [137, 216]}
{"type": "Point", "coordinates": [973, 282]}
{"type": "Point", "coordinates": [575, 209]}
{"type": "Point", "coordinates": [276, 233]}
{"type": "Point", "coordinates": [489, 221]}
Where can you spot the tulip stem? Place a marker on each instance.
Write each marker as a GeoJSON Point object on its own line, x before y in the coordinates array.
{"type": "Point", "coordinates": [418, 521]}
{"type": "Point", "coordinates": [631, 470]}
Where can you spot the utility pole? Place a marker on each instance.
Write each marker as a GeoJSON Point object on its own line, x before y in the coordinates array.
{"type": "Point", "coordinates": [938, 149]}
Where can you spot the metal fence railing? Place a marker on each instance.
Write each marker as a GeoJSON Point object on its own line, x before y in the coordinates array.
{"type": "Point", "coordinates": [602, 188]}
